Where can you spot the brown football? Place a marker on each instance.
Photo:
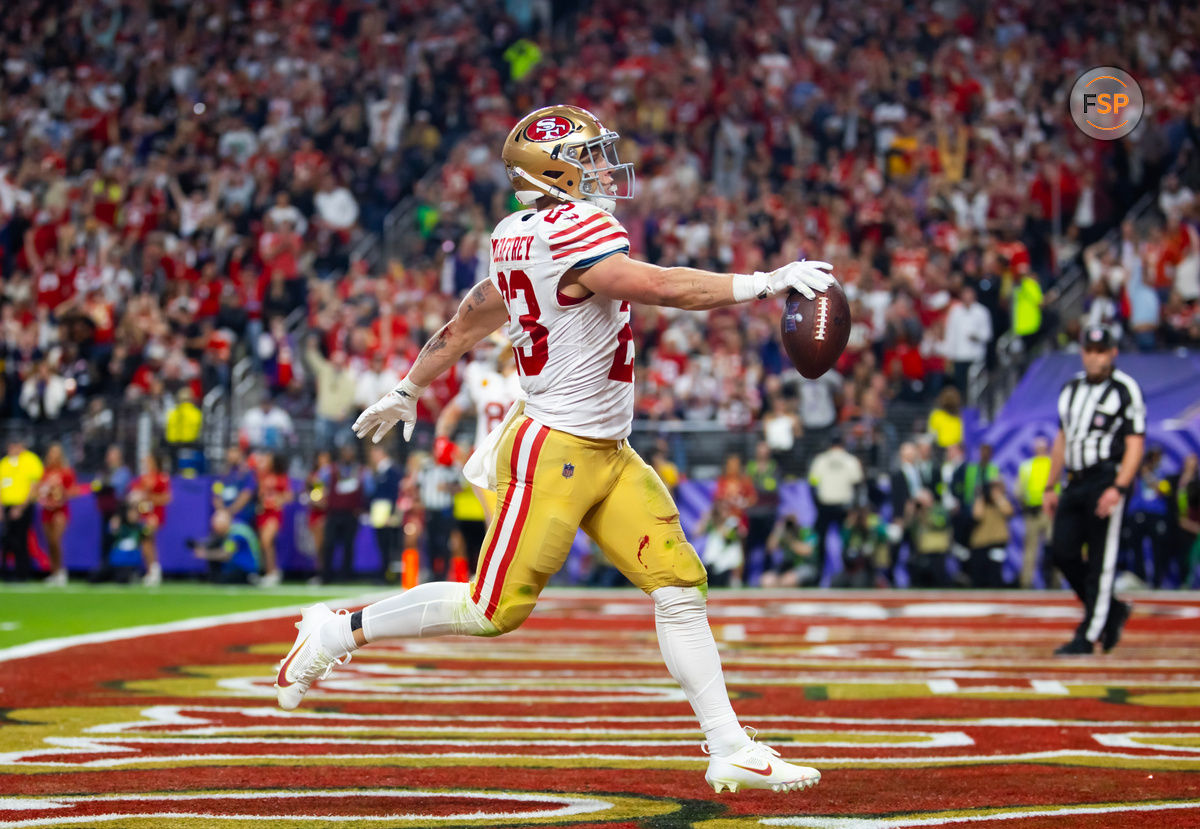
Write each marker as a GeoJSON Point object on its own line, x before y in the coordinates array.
{"type": "Point", "coordinates": [815, 331]}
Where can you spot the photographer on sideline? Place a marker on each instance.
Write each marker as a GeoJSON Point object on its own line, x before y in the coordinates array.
{"type": "Point", "coordinates": [231, 550]}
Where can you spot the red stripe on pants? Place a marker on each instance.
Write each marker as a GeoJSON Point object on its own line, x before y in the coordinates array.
{"type": "Point", "coordinates": [526, 499]}
{"type": "Point", "coordinates": [498, 523]}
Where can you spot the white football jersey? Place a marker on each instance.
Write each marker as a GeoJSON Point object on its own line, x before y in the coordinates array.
{"type": "Point", "coordinates": [574, 356]}
{"type": "Point", "coordinates": [490, 393]}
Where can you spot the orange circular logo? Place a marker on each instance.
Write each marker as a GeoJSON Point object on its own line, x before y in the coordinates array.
{"type": "Point", "coordinates": [1107, 103]}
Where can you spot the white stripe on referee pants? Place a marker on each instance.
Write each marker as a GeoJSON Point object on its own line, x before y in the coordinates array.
{"type": "Point", "coordinates": [1108, 574]}
{"type": "Point", "coordinates": [522, 449]}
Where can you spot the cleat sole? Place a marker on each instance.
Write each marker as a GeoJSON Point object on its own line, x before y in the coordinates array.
{"type": "Point", "coordinates": [720, 786]}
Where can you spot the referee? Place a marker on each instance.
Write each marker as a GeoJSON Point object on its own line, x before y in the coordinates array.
{"type": "Point", "coordinates": [1101, 435]}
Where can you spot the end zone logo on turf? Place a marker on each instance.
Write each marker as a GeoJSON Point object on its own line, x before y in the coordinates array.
{"type": "Point", "coordinates": [1106, 103]}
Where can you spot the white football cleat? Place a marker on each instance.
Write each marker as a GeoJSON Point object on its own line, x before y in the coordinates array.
{"type": "Point", "coordinates": [307, 661]}
{"type": "Point", "coordinates": [757, 766]}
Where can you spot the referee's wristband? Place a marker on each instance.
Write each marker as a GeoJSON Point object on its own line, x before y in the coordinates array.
{"type": "Point", "coordinates": [1124, 490]}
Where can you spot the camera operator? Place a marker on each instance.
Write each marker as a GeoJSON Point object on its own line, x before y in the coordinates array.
{"type": "Point", "coordinates": [231, 550]}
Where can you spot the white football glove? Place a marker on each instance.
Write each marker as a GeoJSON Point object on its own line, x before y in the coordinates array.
{"type": "Point", "coordinates": [400, 404]}
{"type": "Point", "coordinates": [809, 278]}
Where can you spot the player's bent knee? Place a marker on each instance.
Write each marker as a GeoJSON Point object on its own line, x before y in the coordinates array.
{"type": "Point", "coordinates": [469, 620]}
{"type": "Point", "coordinates": [675, 564]}
{"type": "Point", "coordinates": [510, 617]}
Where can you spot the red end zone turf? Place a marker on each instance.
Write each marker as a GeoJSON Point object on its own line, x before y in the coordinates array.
{"type": "Point", "coordinates": [919, 709]}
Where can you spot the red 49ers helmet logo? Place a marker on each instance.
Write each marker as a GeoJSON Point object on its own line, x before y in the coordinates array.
{"type": "Point", "coordinates": [550, 128]}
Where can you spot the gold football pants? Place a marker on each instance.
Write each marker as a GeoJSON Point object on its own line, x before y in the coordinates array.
{"type": "Point", "coordinates": [551, 484]}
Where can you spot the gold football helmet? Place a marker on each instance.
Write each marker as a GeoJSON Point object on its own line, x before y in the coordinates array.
{"type": "Point", "coordinates": [566, 153]}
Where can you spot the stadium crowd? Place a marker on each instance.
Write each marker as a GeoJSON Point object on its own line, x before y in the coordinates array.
{"type": "Point", "coordinates": [186, 186]}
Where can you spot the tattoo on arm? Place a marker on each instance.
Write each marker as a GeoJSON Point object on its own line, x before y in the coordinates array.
{"type": "Point", "coordinates": [437, 342]}
{"type": "Point", "coordinates": [476, 297]}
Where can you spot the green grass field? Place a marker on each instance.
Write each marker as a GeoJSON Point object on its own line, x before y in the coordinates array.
{"type": "Point", "coordinates": [30, 612]}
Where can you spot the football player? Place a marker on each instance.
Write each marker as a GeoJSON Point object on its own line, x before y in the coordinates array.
{"type": "Point", "coordinates": [561, 282]}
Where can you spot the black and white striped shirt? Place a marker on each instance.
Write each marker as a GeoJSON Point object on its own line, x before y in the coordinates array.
{"type": "Point", "coordinates": [1096, 417]}
{"type": "Point", "coordinates": [437, 485]}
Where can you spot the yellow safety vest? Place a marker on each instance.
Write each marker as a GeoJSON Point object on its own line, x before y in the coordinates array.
{"type": "Point", "coordinates": [183, 423]}
{"type": "Point", "coordinates": [1032, 478]}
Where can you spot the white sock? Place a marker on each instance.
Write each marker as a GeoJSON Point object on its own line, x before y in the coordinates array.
{"type": "Point", "coordinates": [690, 652]}
{"type": "Point", "coordinates": [438, 608]}
{"type": "Point", "coordinates": [336, 637]}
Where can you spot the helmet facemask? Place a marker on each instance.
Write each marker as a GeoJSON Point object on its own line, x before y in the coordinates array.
{"type": "Point", "coordinates": [596, 158]}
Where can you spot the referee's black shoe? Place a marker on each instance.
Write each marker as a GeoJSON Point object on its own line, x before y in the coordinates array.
{"type": "Point", "coordinates": [1117, 618]}
{"type": "Point", "coordinates": [1076, 647]}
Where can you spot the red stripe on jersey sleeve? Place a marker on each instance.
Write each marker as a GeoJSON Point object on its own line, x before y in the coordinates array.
{"type": "Point", "coordinates": [592, 244]}
{"type": "Point", "coordinates": [599, 217]}
{"type": "Point", "coordinates": [590, 233]}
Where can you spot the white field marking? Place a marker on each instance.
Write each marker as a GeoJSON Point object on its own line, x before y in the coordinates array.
{"type": "Point", "coordinates": [482, 689]}
{"type": "Point", "coordinates": [816, 633]}
{"type": "Point", "coordinates": [812, 662]}
{"type": "Point", "coordinates": [1049, 686]}
{"type": "Point", "coordinates": [169, 715]}
{"type": "Point", "coordinates": [106, 745]}
{"type": "Point", "coordinates": [860, 611]}
{"type": "Point", "coordinates": [9, 626]}
{"type": "Point", "coordinates": [350, 688]}
{"type": "Point", "coordinates": [568, 806]}
{"type": "Point", "coordinates": [601, 737]}
{"type": "Point", "coordinates": [14, 804]}
{"type": "Point", "coordinates": [45, 646]}
{"type": "Point", "coordinates": [946, 820]}
{"type": "Point", "coordinates": [733, 633]}
{"type": "Point", "coordinates": [68, 746]}
{"type": "Point", "coordinates": [672, 760]}
{"type": "Point", "coordinates": [1147, 740]}
{"type": "Point", "coordinates": [623, 737]}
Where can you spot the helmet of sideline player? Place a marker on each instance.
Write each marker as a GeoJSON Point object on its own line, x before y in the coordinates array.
{"type": "Point", "coordinates": [566, 153]}
{"type": "Point", "coordinates": [494, 350]}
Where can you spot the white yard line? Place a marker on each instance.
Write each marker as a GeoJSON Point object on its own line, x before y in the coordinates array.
{"type": "Point", "coordinates": [45, 646]}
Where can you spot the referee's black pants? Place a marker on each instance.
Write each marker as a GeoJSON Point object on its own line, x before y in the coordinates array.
{"type": "Point", "coordinates": [1076, 527]}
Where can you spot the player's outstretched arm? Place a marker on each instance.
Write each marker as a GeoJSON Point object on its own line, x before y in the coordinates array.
{"type": "Point", "coordinates": [481, 313]}
{"type": "Point", "coordinates": [619, 277]}
{"type": "Point", "coordinates": [448, 419]}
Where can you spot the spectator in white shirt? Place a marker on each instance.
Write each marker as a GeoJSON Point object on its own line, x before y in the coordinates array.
{"type": "Point", "coordinates": [374, 381]}
{"type": "Point", "coordinates": [1103, 266]}
{"type": "Point", "coordinates": [196, 210]}
{"type": "Point", "coordinates": [1174, 197]}
{"type": "Point", "coordinates": [968, 332]}
{"type": "Point", "coordinates": [387, 117]}
{"type": "Point", "coordinates": [44, 394]}
{"type": "Point", "coordinates": [834, 476]}
{"type": "Point", "coordinates": [284, 211]}
{"type": "Point", "coordinates": [336, 206]}
{"type": "Point", "coordinates": [267, 427]}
